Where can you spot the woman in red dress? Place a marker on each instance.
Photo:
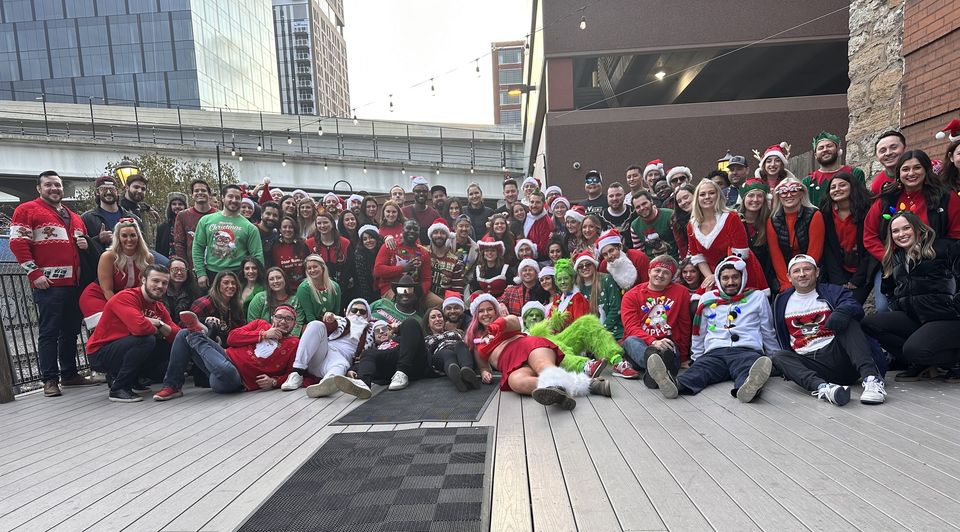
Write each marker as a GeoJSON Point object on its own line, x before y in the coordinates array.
{"type": "Point", "coordinates": [119, 268]}
{"type": "Point", "coordinates": [491, 274]}
{"type": "Point", "coordinates": [714, 233]}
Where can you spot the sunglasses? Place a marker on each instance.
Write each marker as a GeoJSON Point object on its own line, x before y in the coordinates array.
{"type": "Point", "coordinates": [127, 220]}
{"type": "Point", "coordinates": [788, 190]}
{"type": "Point", "coordinates": [405, 290]}
{"type": "Point", "coordinates": [593, 180]}
{"type": "Point", "coordinates": [360, 311]}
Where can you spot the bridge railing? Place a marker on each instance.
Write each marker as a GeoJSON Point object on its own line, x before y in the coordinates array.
{"type": "Point", "coordinates": [368, 140]}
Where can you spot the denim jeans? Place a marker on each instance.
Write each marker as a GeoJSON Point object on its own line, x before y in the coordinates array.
{"type": "Point", "coordinates": [59, 326]}
{"type": "Point", "coordinates": [209, 358]}
{"type": "Point", "coordinates": [123, 359]}
{"type": "Point", "coordinates": [880, 300]}
{"type": "Point", "coordinates": [634, 348]}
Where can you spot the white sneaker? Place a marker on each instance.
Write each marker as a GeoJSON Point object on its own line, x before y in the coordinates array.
{"type": "Point", "coordinates": [354, 387]}
{"type": "Point", "coordinates": [756, 378]}
{"type": "Point", "coordinates": [832, 393]}
{"type": "Point", "coordinates": [399, 381]}
{"type": "Point", "coordinates": [294, 382]}
{"type": "Point", "coordinates": [323, 388]}
{"type": "Point", "coordinates": [873, 391]}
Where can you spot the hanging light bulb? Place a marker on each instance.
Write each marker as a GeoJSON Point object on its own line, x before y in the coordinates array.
{"type": "Point", "coordinates": [438, 170]}
{"type": "Point", "coordinates": [239, 156]}
{"type": "Point", "coordinates": [259, 146]}
{"type": "Point", "coordinates": [355, 116]}
{"type": "Point", "coordinates": [320, 131]}
{"type": "Point", "coordinates": [289, 139]}
{"type": "Point", "coordinates": [583, 22]}
{"type": "Point", "coordinates": [233, 151]}
{"type": "Point", "coordinates": [364, 167]}
{"type": "Point", "coordinates": [471, 169]}
{"type": "Point", "coordinates": [391, 103]}
{"type": "Point", "coordinates": [324, 164]}
{"type": "Point", "coordinates": [283, 162]}
{"type": "Point", "coordinates": [403, 170]}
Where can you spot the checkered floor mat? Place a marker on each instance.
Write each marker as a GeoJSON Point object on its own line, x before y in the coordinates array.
{"type": "Point", "coordinates": [418, 480]}
{"type": "Point", "coordinates": [423, 400]}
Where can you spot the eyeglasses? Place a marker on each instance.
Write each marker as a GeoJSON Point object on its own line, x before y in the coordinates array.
{"type": "Point", "coordinates": [360, 311]}
{"type": "Point", "coordinates": [178, 270]}
{"type": "Point", "coordinates": [283, 318]}
{"type": "Point", "coordinates": [789, 190]}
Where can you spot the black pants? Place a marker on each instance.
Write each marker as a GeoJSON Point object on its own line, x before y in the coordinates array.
{"type": "Point", "coordinates": [124, 359]}
{"type": "Point", "coordinates": [410, 357]}
{"type": "Point", "coordinates": [846, 360]}
{"type": "Point", "coordinates": [934, 343]}
{"type": "Point", "coordinates": [457, 354]}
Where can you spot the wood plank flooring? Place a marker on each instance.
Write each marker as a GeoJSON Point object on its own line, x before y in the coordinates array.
{"type": "Point", "coordinates": [632, 462]}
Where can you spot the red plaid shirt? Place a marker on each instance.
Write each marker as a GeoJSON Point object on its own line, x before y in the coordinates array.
{"type": "Point", "coordinates": [515, 297]}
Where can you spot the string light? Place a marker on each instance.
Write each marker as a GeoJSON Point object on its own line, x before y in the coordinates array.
{"type": "Point", "coordinates": [364, 167]}
{"type": "Point", "coordinates": [403, 170]}
{"type": "Point", "coordinates": [471, 169]}
{"type": "Point", "coordinates": [283, 162]}
{"type": "Point", "coordinates": [239, 156]}
{"type": "Point", "coordinates": [583, 22]}
{"type": "Point", "coordinates": [355, 121]}
{"type": "Point", "coordinates": [259, 146]}
{"type": "Point", "coordinates": [233, 151]}
{"type": "Point", "coordinates": [320, 130]}
{"type": "Point", "coordinates": [289, 139]}
{"type": "Point", "coordinates": [324, 164]}
{"type": "Point", "coordinates": [438, 170]}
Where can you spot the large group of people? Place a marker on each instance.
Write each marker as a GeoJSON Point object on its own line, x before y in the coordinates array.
{"type": "Point", "coordinates": [675, 281]}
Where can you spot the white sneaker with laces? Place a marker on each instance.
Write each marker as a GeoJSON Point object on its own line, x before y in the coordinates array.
{"type": "Point", "coordinates": [294, 382]}
{"type": "Point", "coordinates": [873, 391]}
{"type": "Point", "coordinates": [323, 388]}
{"type": "Point", "coordinates": [354, 387]}
{"type": "Point", "coordinates": [399, 381]}
{"type": "Point", "coordinates": [832, 393]}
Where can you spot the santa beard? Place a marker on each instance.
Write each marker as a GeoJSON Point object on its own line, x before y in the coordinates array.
{"type": "Point", "coordinates": [623, 271]}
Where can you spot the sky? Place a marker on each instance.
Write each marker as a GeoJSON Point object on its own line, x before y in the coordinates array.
{"type": "Point", "coordinates": [392, 45]}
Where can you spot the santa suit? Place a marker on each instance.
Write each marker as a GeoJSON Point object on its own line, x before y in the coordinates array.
{"type": "Point", "coordinates": [728, 237]}
{"type": "Point", "coordinates": [640, 261]}
{"type": "Point", "coordinates": [538, 229]}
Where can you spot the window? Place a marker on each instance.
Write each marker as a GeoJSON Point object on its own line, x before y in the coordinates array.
{"type": "Point", "coordinates": [182, 26]}
{"type": "Point", "coordinates": [17, 11]}
{"type": "Point", "coordinates": [510, 117]}
{"type": "Point", "coordinates": [27, 91]}
{"type": "Point", "coordinates": [96, 61]}
{"type": "Point", "coordinates": [142, 6]}
{"type": "Point", "coordinates": [93, 32]}
{"type": "Point", "coordinates": [508, 56]}
{"type": "Point", "coordinates": [127, 59]}
{"type": "Point", "coordinates": [7, 41]}
{"type": "Point", "coordinates": [111, 7]}
{"type": "Point", "coordinates": [80, 8]}
{"type": "Point", "coordinates": [174, 5]}
{"type": "Point", "coordinates": [86, 87]}
{"type": "Point", "coordinates": [62, 33]}
{"type": "Point", "coordinates": [152, 90]}
{"type": "Point", "coordinates": [158, 57]}
{"type": "Point", "coordinates": [9, 70]}
{"type": "Point", "coordinates": [511, 76]}
{"type": "Point", "coordinates": [34, 64]}
{"type": "Point", "coordinates": [120, 90]}
{"type": "Point", "coordinates": [506, 99]}
{"type": "Point", "coordinates": [124, 30]}
{"type": "Point", "coordinates": [59, 90]}
{"type": "Point", "coordinates": [155, 27]}
{"type": "Point", "coordinates": [30, 36]}
{"type": "Point", "coordinates": [65, 63]}
{"type": "Point", "coordinates": [48, 9]}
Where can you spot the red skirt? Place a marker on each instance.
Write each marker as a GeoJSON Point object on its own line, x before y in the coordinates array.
{"type": "Point", "coordinates": [515, 355]}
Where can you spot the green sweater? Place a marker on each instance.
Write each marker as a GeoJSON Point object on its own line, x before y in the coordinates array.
{"type": "Point", "coordinates": [639, 230]}
{"type": "Point", "coordinates": [259, 310]}
{"type": "Point", "coordinates": [258, 289]}
{"type": "Point", "coordinates": [221, 243]}
{"type": "Point", "coordinates": [608, 304]}
{"type": "Point", "coordinates": [311, 305]}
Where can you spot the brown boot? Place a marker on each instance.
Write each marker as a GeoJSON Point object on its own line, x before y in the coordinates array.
{"type": "Point", "coordinates": [51, 389]}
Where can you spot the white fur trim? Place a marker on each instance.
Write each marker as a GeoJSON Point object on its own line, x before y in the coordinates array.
{"type": "Point", "coordinates": [440, 226]}
{"type": "Point", "coordinates": [522, 241]}
{"type": "Point", "coordinates": [418, 180]}
{"type": "Point", "coordinates": [552, 376]}
{"type": "Point", "coordinates": [545, 271]}
{"type": "Point", "coordinates": [560, 199]}
{"type": "Point", "coordinates": [623, 271]}
{"type": "Point", "coordinates": [574, 214]}
{"type": "Point", "coordinates": [529, 262]}
{"type": "Point", "coordinates": [530, 305]}
{"type": "Point", "coordinates": [452, 300]}
{"type": "Point", "coordinates": [530, 179]}
{"type": "Point", "coordinates": [581, 258]}
{"type": "Point", "coordinates": [706, 240]}
{"type": "Point", "coordinates": [679, 170]}
{"type": "Point", "coordinates": [480, 299]}
{"type": "Point", "coordinates": [551, 189]}
{"type": "Point", "coordinates": [368, 227]}
{"type": "Point", "coordinates": [658, 167]}
{"type": "Point", "coordinates": [608, 241]}
{"type": "Point", "coordinates": [577, 385]}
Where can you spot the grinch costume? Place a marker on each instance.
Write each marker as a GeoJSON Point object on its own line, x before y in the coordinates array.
{"type": "Point", "coordinates": [585, 335]}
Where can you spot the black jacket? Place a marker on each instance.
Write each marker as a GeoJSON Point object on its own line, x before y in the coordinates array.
{"type": "Point", "coordinates": [833, 258]}
{"type": "Point", "coordinates": [927, 290]}
{"type": "Point", "coordinates": [94, 219]}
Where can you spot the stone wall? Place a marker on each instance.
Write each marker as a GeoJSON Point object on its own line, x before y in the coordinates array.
{"type": "Point", "coordinates": [876, 76]}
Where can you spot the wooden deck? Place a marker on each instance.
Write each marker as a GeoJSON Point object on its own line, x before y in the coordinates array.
{"type": "Point", "coordinates": [633, 462]}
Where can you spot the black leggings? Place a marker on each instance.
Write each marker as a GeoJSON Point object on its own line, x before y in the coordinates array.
{"type": "Point", "coordinates": [457, 354]}
{"type": "Point", "coordinates": [934, 343]}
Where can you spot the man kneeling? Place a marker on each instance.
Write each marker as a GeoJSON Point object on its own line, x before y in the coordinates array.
{"type": "Point", "coordinates": [733, 325]}
{"type": "Point", "coordinates": [828, 350]}
{"type": "Point", "coordinates": [259, 355]}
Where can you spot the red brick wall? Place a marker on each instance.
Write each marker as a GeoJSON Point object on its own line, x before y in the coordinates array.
{"type": "Point", "coordinates": [931, 84]}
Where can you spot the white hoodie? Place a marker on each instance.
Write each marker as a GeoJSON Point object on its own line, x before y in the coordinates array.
{"type": "Point", "coordinates": [751, 326]}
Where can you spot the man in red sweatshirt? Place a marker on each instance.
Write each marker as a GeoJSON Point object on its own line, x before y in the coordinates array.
{"type": "Point", "coordinates": [126, 336]}
{"type": "Point", "coordinates": [656, 317]}
{"type": "Point", "coordinates": [409, 257]}
{"type": "Point", "coordinates": [47, 239]}
{"type": "Point", "coordinates": [259, 355]}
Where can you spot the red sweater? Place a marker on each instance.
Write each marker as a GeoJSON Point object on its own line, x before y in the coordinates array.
{"type": "Point", "coordinates": [43, 245]}
{"type": "Point", "coordinates": [289, 258]}
{"type": "Point", "coordinates": [650, 315]}
{"type": "Point", "coordinates": [241, 345]}
{"type": "Point", "coordinates": [539, 233]}
{"type": "Point", "coordinates": [184, 228]}
{"type": "Point", "coordinates": [873, 240]}
{"type": "Point", "coordinates": [126, 315]}
{"type": "Point", "coordinates": [388, 267]}
{"type": "Point", "coordinates": [328, 253]}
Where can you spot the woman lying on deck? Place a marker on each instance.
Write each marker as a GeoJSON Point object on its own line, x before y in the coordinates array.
{"type": "Point", "coordinates": [528, 363]}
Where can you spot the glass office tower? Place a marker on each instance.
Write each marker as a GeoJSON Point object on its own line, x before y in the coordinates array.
{"type": "Point", "coordinates": [152, 53]}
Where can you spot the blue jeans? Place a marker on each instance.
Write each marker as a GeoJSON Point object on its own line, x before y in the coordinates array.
{"type": "Point", "coordinates": [123, 359]}
{"type": "Point", "coordinates": [59, 326]}
{"type": "Point", "coordinates": [718, 365]}
{"type": "Point", "coordinates": [880, 300]}
{"type": "Point", "coordinates": [634, 348]}
{"type": "Point", "coordinates": [208, 356]}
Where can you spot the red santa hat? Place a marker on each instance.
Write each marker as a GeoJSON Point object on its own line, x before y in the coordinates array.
{"type": "Point", "coordinates": [418, 180]}
{"type": "Point", "coordinates": [952, 131]}
{"type": "Point", "coordinates": [584, 256]}
{"type": "Point", "coordinates": [577, 213]}
{"type": "Point", "coordinates": [532, 180]}
{"type": "Point", "coordinates": [479, 297]}
{"type": "Point", "coordinates": [609, 237]}
{"type": "Point", "coordinates": [331, 195]}
{"type": "Point", "coordinates": [452, 297]}
{"type": "Point", "coordinates": [559, 199]}
{"type": "Point", "coordinates": [655, 164]}
{"type": "Point", "coordinates": [488, 242]}
{"type": "Point", "coordinates": [683, 170]}
{"type": "Point", "coordinates": [780, 151]}
{"type": "Point", "coordinates": [438, 225]}
{"type": "Point", "coordinates": [522, 241]}
{"type": "Point", "coordinates": [354, 198]}
{"type": "Point", "coordinates": [523, 264]}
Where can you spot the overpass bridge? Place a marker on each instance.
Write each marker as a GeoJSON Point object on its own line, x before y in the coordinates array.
{"type": "Point", "coordinates": [311, 153]}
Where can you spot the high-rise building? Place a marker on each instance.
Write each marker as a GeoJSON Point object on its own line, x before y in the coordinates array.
{"type": "Point", "coordinates": [152, 53]}
{"type": "Point", "coordinates": [507, 72]}
{"type": "Point", "coordinates": [311, 57]}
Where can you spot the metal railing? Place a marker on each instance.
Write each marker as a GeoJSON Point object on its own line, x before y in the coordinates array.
{"type": "Point", "coordinates": [19, 326]}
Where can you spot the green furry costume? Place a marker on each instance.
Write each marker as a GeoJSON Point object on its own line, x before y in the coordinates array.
{"type": "Point", "coordinates": [585, 334]}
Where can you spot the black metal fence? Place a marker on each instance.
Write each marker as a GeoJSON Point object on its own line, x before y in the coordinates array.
{"type": "Point", "coordinates": [19, 325]}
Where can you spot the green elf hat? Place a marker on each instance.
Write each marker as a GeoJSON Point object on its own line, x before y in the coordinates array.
{"type": "Point", "coordinates": [825, 135]}
{"type": "Point", "coordinates": [754, 184]}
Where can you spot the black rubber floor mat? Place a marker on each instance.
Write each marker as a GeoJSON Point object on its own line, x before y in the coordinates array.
{"type": "Point", "coordinates": [422, 400]}
{"type": "Point", "coordinates": [419, 479]}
